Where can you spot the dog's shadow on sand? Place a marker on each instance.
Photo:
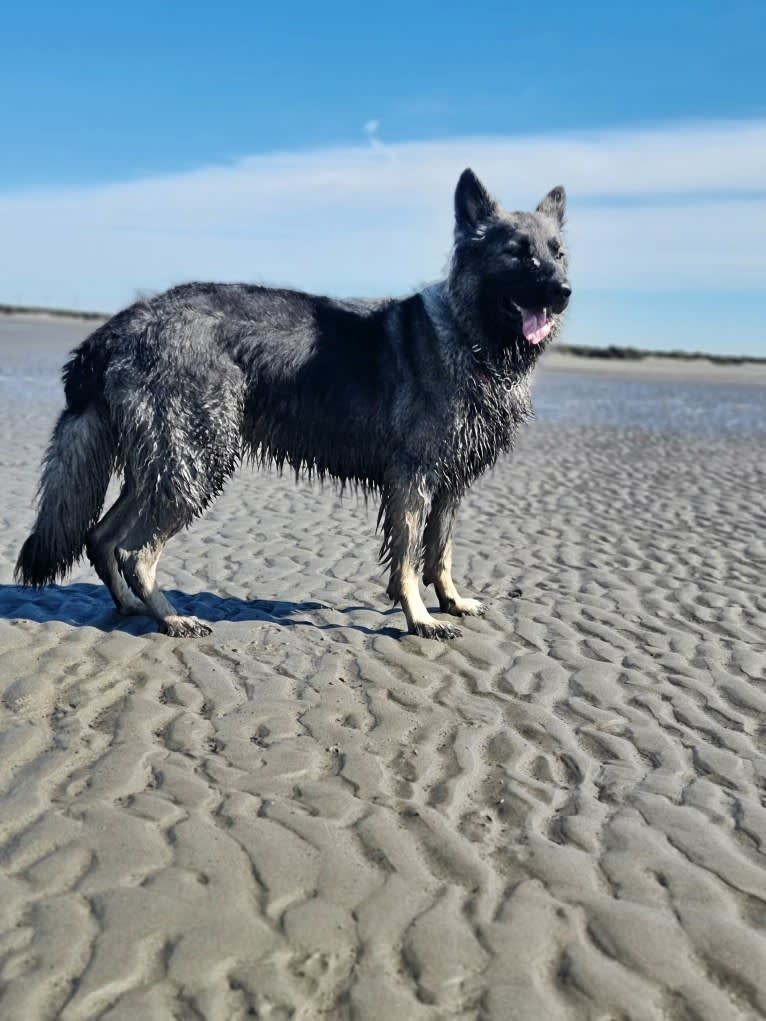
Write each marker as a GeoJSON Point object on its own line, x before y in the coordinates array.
{"type": "Point", "coordinates": [85, 605]}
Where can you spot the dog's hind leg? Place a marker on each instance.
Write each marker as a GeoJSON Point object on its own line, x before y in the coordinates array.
{"type": "Point", "coordinates": [137, 555]}
{"type": "Point", "coordinates": [100, 546]}
{"type": "Point", "coordinates": [404, 512]}
{"type": "Point", "coordinates": [180, 441]}
{"type": "Point", "coordinates": [437, 565]}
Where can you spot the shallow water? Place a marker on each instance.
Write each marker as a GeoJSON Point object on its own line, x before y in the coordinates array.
{"type": "Point", "coordinates": [32, 353]}
{"type": "Point", "coordinates": [666, 406]}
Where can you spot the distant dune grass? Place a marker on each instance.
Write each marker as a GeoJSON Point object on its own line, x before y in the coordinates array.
{"type": "Point", "coordinates": [59, 313]}
{"type": "Point", "coordinates": [634, 354]}
{"type": "Point", "coordinates": [628, 354]}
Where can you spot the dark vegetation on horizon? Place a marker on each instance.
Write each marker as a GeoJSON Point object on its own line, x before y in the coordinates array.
{"type": "Point", "coordinates": [634, 354]}
{"type": "Point", "coordinates": [627, 354]}
{"type": "Point", "coordinates": [59, 313]}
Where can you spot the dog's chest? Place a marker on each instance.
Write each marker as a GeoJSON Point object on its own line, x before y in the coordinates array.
{"type": "Point", "coordinates": [486, 420]}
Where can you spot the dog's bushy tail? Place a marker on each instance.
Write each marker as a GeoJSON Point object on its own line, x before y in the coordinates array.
{"type": "Point", "coordinates": [76, 473]}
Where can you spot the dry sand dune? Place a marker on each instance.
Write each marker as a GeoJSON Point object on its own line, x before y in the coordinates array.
{"type": "Point", "coordinates": [312, 815]}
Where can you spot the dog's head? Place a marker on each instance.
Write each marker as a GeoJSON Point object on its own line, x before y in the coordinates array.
{"type": "Point", "coordinates": [509, 270]}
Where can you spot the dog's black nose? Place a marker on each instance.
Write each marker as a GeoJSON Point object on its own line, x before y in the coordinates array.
{"type": "Point", "coordinates": [560, 292]}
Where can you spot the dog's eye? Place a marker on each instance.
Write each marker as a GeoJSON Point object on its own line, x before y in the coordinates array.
{"type": "Point", "coordinates": [557, 252]}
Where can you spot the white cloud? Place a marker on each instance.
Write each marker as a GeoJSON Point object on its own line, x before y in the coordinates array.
{"type": "Point", "coordinates": [360, 220]}
{"type": "Point", "coordinates": [663, 247]}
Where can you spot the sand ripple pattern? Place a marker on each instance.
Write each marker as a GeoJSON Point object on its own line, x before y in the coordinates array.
{"type": "Point", "coordinates": [309, 815]}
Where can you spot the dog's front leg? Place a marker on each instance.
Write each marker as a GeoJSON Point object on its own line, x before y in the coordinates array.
{"type": "Point", "coordinates": [437, 565]}
{"type": "Point", "coordinates": [404, 510]}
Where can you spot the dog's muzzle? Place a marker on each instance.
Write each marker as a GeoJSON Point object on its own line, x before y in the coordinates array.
{"type": "Point", "coordinates": [559, 293]}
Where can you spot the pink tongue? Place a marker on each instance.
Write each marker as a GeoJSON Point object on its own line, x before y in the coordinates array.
{"type": "Point", "coordinates": [534, 325]}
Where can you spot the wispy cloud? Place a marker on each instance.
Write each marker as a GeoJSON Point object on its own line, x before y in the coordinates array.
{"type": "Point", "coordinates": [371, 129]}
{"type": "Point", "coordinates": [680, 207]}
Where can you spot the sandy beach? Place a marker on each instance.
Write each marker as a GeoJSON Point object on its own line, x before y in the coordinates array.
{"type": "Point", "coordinates": [311, 814]}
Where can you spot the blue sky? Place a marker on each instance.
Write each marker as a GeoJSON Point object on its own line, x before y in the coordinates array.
{"type": "Point", "coordinates": [145, 144]}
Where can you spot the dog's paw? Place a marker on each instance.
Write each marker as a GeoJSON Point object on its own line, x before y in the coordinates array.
{"type": "Point", "coordinates": [464, 607]}
{"type": "Point", "coordinates": [435, 629]}
{"type": "Point", "coordinates": [184, 627]}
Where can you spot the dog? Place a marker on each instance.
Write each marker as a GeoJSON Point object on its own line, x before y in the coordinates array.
{"type": "Point", "coordinates": [410, 399]}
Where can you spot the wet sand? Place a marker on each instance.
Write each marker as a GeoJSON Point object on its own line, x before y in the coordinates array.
{"type": "Point", "coordinates": [311, 814]}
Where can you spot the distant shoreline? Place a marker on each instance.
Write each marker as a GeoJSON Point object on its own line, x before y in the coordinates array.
{"type": "Point", "coordinates": [611, 353]}
{"type": "Point", "coordinates": [49, 313]}
{"type": "Point", "coordinates": [634, 354]}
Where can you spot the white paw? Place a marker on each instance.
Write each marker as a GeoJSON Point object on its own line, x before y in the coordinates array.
{"type": "Point", "coordinates": [184, 627]}
{"type": "Point", "coordinates": [434, 629]}
{"type": "Point", "coordinates": [463, 607]}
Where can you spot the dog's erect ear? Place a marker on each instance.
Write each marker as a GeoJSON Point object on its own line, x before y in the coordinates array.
{"type": "Point", "coordinates": [473, 203]}
{"type": "Point", "coordinates": [554, 204]}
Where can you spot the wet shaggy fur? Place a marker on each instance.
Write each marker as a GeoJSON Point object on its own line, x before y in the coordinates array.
{"type": "Point", "coordinates": [411, 399]}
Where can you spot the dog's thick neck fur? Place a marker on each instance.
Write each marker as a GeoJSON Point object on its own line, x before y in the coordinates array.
{"type": "Point", "coordinates": [458, 322]}
{"type": "Point", "coordinates": [493, 383]}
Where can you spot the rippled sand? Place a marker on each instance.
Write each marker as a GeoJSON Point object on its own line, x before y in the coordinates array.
{"type": "Point", "coordinates": [311, 814]}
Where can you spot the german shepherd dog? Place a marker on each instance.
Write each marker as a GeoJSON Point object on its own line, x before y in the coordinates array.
{"type": "Point", "coordinates": [410, 399]}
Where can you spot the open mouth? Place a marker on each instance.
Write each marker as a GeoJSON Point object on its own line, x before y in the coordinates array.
{"type": "Point", "coordinates": [535, 323]}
